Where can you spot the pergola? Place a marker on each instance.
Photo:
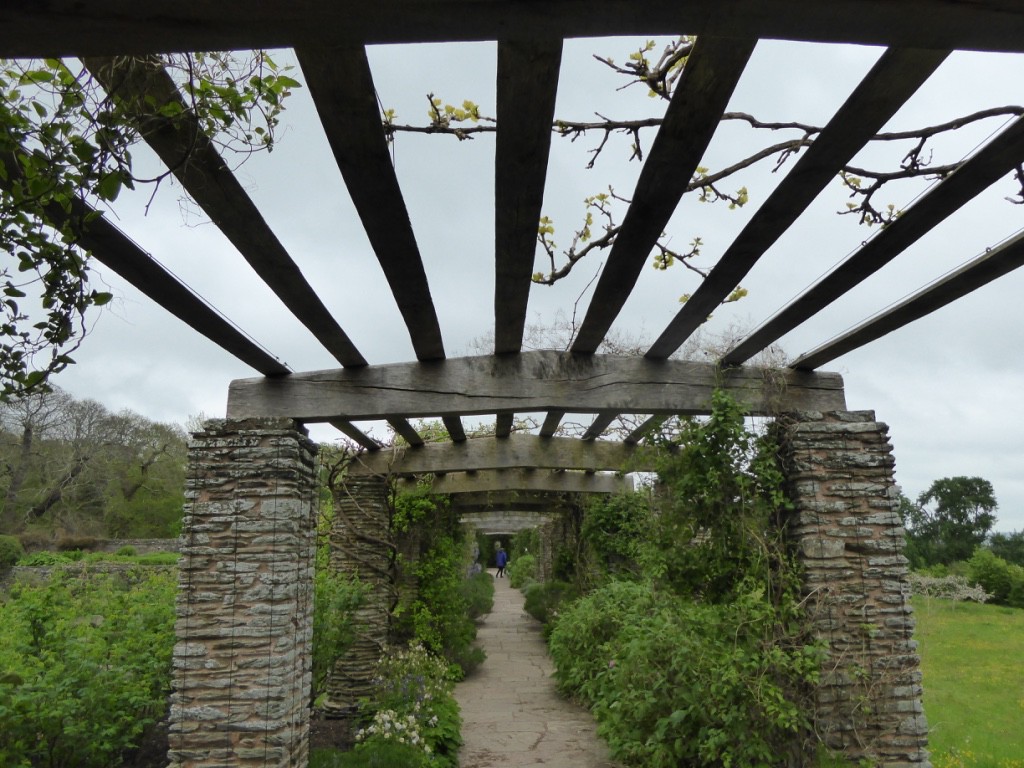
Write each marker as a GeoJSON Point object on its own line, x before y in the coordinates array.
{"type": "Point", "coordinates": [329, 38]}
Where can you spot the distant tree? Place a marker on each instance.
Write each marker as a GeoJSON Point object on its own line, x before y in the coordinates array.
{"type": "Point", "coordinates": [950, 520]}
{"type": "Point", "coordinates": [1009, 546]}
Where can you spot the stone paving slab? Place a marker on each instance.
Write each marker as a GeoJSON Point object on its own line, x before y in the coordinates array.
{"type": "Point", "coordinates": [512, 714]}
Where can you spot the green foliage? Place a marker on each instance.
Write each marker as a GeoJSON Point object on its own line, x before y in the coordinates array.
{"type": "Point", "coordinates": [675, 682]}
{"type": "Point", "coordinates": [84, 667]}
{"type": "Point", "coordinates": [615, 529]}
{"type": "Point", "coordinates": [1009, 546]}
{"type": "Point", "coordinates": [45, 559]}
{"type": "Point", "coordinates": [1002, 580]}
{"type": "Point", "coordinates": [413, 705]}
{"type": "Point", "coordinates": [961, 518]}
{"type": "Point", "coordinates": [11, 551]}
{"type": "Point", "coordinates": [63, 139]}
{"type": "Point", "coordinates": [478, 593]}
{"type": "Point", "coordinates": [522, 571]}
{"type": "Point", "coordinates": [523, 543]}
{"type": "Point", "coordinates": [545, 599]}
{"type": "Point", "coordinates": [336, 597]}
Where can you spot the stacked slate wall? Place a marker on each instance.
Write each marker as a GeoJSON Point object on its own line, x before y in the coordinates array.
{"type": "Point", "coordinates": [361, 545]}
{"type": "Point", "coordinates": [242, 671]}
{"type": "Point", "coordinates": [848, 535]}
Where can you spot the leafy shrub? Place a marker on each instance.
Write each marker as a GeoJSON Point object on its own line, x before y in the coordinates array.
{"type": "Point", "coordinates": [524, 542]}
{"type": "Point", "coordinates": [682, 683]}
{"type": "Point", "coordinates": [478, 593]}
{"type": "Point", "coordinates": [413, 705]}
{"type": "Point", "coordinates": [84, 667]}
{"type": "Point", "coordinates": [69, 543]}
{"type": "Point", "coordinates": [336, 598]}
{"type": "Point", "coordinates": [45, 559]}
{"type": "Point", "coordinates": [378, 754]}
{"type": "Point", "coordinates": [544, 599]}
{"type": "Point", "coordinates": [615, 528]}
{"type": "Point", "coordinates": [950, 587]}
{"type": "Point", "coordinates": [1002, 580]}
{"type": "Point", "coordinates": [11, 551]}
{"type": "Point", "coordinates": [126, 551]}
{"type": "Point", "coordinates": [522, 570]}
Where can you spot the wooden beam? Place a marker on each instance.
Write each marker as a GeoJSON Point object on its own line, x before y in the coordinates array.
{"type": "Point", "coordinates": [514, 452]}
{"type": "Point", "coordinates": [956, 284]}
{"type": "Point", "coordinates": [406, 431]}
{"type": "Point", "coordinates": [111, 247]}
{"type": "Point", "coordinates": [353, 432]}
{"type": "Point", "coordinates": [701, 96]}
{"type": "Point", "coordinates": [454, 426]}
{"type": "Point", "coordinates": [599, 425]}
{"type": "Point", "coordinates": [145, 87]}
{"type": "Point", "coordinates": [525, 383]}
{"type": "Point", "coordinates": [503, 424]}
{"type": "Point", "coordinates": [893, 80]}
{"type": "Point", "coordinates": [520, 480]}
{"type": "Point", "coordinates": [339, 80]}
{"type": "Point", "coordinates": [551, 422]}
{"type": "Point", "coordinates": [527, 83]}
{"type": "Point", "coordinates": [997, 158]}
{"type": "Point", "coordinates": [102, 27]}
{"type": "Point", "coordinates": [648, 426]}
{"type": "Point", "coordinates": [508, 499]}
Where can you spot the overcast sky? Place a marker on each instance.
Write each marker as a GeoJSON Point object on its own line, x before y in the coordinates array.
{"type": "Point", "coordinates": [947, 386]}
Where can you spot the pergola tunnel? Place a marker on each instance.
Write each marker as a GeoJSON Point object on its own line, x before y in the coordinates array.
{"type": "Point", "coordinates": [242, 660]}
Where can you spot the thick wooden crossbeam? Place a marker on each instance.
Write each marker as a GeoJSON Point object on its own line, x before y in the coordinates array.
{"type": "Point", "coordinates": [893, 80]}
{"type": "Point", "coordinates": [527, 383]}
{"type": "Point", "coordinates": [957, 284]}
{"type": "Point", "coordinates": [193, 159]}
{"type": "Point", "coordinates": [514, 480]}
{"type": "Point", "coordinates": [701, 96]}
{"type": "Point", "coordinates": [111, 247]}
{"type": "Point", "coordinates": [997, 158]}
{"type": "Point", "coordinates": [513, 452]}
{"type": "Point", "coordinates": [527, 83]}
{"type": "Point", "coordinates": [340, 82]}
{"type": "Point", "coordinates": [104, 27]}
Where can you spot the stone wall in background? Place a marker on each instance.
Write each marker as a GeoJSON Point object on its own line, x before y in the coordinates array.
{"type": "Point", "coordinates": [242, 672]}
{"type": "Point", "coordinates": [848, 535]}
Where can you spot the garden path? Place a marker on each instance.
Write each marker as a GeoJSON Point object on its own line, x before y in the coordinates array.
{"type": "Point", "coordinates": [511, 711]}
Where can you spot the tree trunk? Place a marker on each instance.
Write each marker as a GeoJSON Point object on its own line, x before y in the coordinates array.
{"type": "Point", "coordinates": [9, 521]}
{"type": "Point", "coordinates": [57, 492]}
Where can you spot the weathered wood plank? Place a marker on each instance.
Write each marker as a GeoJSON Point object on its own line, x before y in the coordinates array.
{"type": "Point", "coordinates": [520, 480]}
{"type": "Point", "coordinates": [340, 82]}
{"type": "Point", "coordinates": [514, 452]}
{"type": "Point", "coordinates": [454, 426]}
{"type": "Point", "coordinates": [145, 86]}
{"type": "Point", "coordinates": [525, 383]}
{"type": "Point", "coordinates": [406, 431]}
{"type": "Point", "coordinates": [996, 159]}
{"type": "Point", "coordinates": [893, 80]}
{"type": "Point", "coordinates": [647, 427]}
{"type": "Point", "coordinates": [701, 96]}
{"type": "Point", "coordinates": [599, 425]}
{"type": "Point", "coordinates": [503, 424]}
{"type": "Point", "coordinates": [551, 422]}
{"type": "Point", "coordinates": [111, 247]}
{"type": "Point", "coordinates": [103, 27]}
{"type": "Point", "coordinates": [353, 432]}
{"type": "Point", "coordinates": [527, 83]}
{"type": "Point", "coordinates": [955, 285]}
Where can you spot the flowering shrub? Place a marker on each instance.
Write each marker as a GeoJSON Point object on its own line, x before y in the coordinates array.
{"type": "Point", "coordinates": [950, 587]}
{"type": "Point", "coordinates": [413, 706]}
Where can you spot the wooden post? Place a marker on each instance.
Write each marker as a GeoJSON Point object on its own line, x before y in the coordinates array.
{"type": "Point", "coordinates": [242, 663]}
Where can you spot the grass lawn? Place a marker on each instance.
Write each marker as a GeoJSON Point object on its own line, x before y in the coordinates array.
{"type": "Point", "coordinates": [972, 657]}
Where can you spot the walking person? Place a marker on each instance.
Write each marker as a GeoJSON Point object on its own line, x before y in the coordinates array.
{"type": "Point", "coordinates": [501, 559]}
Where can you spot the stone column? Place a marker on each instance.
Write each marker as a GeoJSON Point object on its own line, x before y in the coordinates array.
{"type": "Point", "coordinates": [848, 535]}
{"type": "Point", "coordinates": [361, 545]}
{"type": "Point", "coordinates": [242, 663]}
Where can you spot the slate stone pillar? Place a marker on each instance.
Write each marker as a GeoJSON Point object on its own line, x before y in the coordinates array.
{"type": "Point", "coordinates": [361, 545]}
{"type": "Point", "coordinates": [848, 534]}
{"type": "Point", "coordinates": [242, 664]}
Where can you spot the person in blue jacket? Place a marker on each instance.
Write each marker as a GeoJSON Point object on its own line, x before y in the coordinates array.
{"type": "Point", "coordinates": [501, 559]}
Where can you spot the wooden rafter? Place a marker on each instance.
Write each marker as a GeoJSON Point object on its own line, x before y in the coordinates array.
{"type": "Point", "coordinates": [519, 480]}
{"type": "Point", "coordinates": [339, 79]}
{"type": "Point", "coordinates": [527, 383]}
{"type": "Point", "coordinates": [599, 425]}
{"type": "Point", "coordinates": [957, 284]}
{"type": "Point", "coordinates": [112, 247]}
{"type": "Point", "coordinates": [514, 452]}
{"type": "Point", "coordinates": [996, 159]}
{"type": "Point", "coordinates": [701, 96]}
{"type": "Point", "coordinates": [893, 80]}
{"type": "Point", "coordinates": [527, 83]}
{"type": "Point", "coordinates": [196, 163]}
{"type": "Point", "coordinates": [106, 27]}
{"type": "Point", "coordinates": [406, 431]}
{"type": "Point", "coordinates": [355, 434]}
